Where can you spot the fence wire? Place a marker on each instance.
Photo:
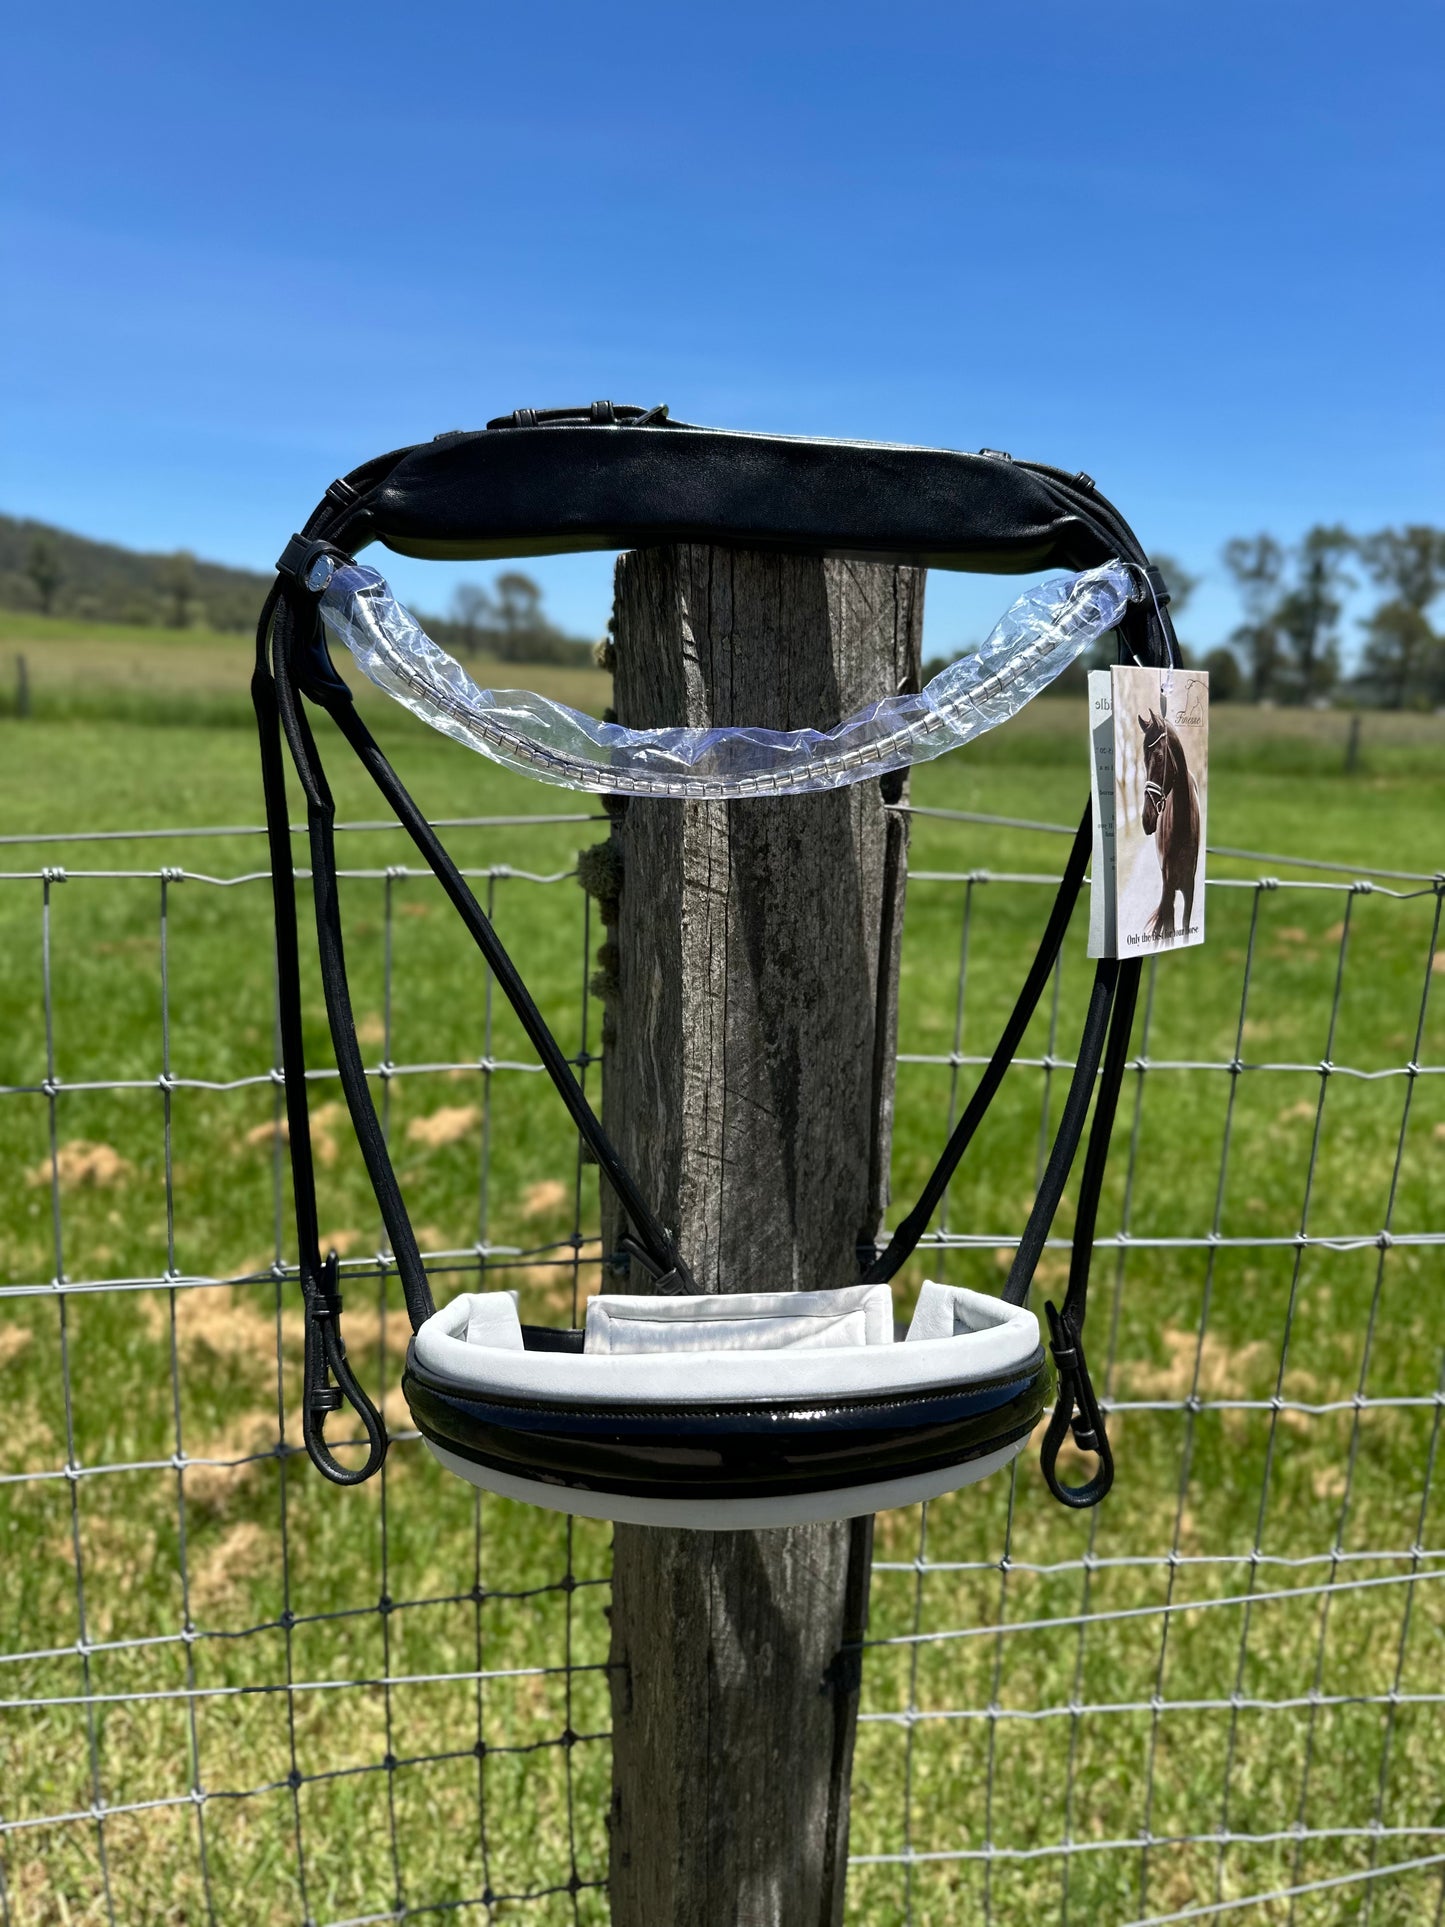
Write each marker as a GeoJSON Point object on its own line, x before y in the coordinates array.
{"type": "Point", "coordinates": [227, 1693]}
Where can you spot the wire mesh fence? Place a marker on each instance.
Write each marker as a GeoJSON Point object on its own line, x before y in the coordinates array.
{"type": "Point", "coordinates": [228, 1692]}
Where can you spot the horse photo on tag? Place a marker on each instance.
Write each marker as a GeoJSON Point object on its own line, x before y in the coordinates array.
{"type": "Point", "coordinates": [1161, 787]}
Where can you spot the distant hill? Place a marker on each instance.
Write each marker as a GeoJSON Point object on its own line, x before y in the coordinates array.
{"type": "Point", "coordinates": [49, 571]}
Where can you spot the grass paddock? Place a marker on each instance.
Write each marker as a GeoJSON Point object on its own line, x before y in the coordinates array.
{"type": "Point", "coordinates": [1246, 1636]}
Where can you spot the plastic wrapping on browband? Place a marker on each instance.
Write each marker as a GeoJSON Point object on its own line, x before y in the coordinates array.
{"type": "Point", "coordinates": [1038, 637]}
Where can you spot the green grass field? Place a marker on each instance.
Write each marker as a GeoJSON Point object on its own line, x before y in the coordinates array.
{"type": "Point", "coordinates": [109, 672]}
{"type": "Point", "coordinates": [201, 1371]}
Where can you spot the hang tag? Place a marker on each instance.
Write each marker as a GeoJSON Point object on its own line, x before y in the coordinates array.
{"type": "Point", "coordinates": [1149, 770]}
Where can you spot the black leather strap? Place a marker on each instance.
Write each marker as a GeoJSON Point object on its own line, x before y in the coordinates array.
{"type": "Point", "coordinates": [325, 1353]}
{"type": "Point", "coordinates": [1111, 1011]}
{"type": "Point", "coordinates": [657, 1243]}
{"type": "Point", "coordinates": [902, 1244]}
{"type": "Point", "coordinates": [1076, 1408]}
{"type": "Point", "coordinates": [321, 821]}
{"type": "Point", "coordinates": [288, 623]}
{"type": "Point", "coordinates": [1066, 1138]}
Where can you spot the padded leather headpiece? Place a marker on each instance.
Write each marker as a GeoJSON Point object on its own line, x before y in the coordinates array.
{"type": "Point", "coordinates": [615, 478]}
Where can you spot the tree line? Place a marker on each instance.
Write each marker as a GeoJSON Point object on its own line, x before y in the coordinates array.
{"type": "Point", "coordinates": [1289, 647]}
{"type": "Point", "coordinates": [51, 572]}
{"type": "Point", "coordinates": [506, 622]}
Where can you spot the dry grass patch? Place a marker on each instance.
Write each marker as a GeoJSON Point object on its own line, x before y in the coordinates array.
{"type": "Point", "coordinates": [1245, 1372]}
{"type": "Point", "coordinates": [324, 1121]}
{"type": "Point", "coordinates": [221, 1321]}
{"type": "Point", "coordinates": [1329, 1482]}
{"type": "Point", "coordinates": [27, 1443]}
{"type": "Point", "coordinates": [223, 1577]}
{"type": "Point", "coordinates": [540, 1200]}
{"type": "Point", "coordinates": [445, 1126]}
{"type": "Point", "coordinates": [342, 1242]}
{"type": "Point", "coordinates": [361, 1328]}
{"type": "Point", "coordinates": [244, 1444]}
{"type": "Point", "coordinates": [13, 1340]}
{"type": "Point", "coordinates": [116, 1550]}
{"type": "Point", "coordinates": [1222, 1373]}
{"type": "Point", "coordinates": [81, 1161]}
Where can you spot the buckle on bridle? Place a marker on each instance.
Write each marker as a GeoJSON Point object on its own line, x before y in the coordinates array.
{"type": "Point", "coordinates": [311, 563]}
{"type": "Point", "coordinates": [668, 1281]}
{"type": "Point", "coordinates": [600, 414]}
{"type": "Point", "coordinates": [1158, 587]}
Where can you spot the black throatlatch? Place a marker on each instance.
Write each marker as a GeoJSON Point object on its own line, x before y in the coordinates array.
{"type": "Point", "coordinates": [608, 477]}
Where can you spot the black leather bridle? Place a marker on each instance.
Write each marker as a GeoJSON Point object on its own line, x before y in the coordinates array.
{"type": "Point", "coordinates": [606, 477]}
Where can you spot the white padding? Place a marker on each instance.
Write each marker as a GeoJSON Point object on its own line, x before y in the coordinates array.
{"type": "Point", "coordinates": [492, 1320]}
{"type": "Point", "coordinates": [947, 1311]}
{"type": "Point", "coordinates": [731, 1515]}
{"type": "Point", "coordinates": [987, 1338]}
{"type": "Point", "coordinates": [746, 1321]}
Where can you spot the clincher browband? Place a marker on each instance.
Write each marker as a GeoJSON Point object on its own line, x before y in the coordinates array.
{"type": "Point", "coordinates": [608, 477]}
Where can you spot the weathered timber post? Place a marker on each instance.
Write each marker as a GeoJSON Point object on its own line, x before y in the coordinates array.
{"type": "Point", "coordinates": [749, 1082]}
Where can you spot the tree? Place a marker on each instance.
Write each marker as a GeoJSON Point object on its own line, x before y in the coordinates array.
{"type": "Point", "coordinates": [178, 585]}
{"type": "Point", "coordinates": [1226, 678]}
{"type": "Point", "coordinates": [473, 614]}
{"type": "Point", "coordinates": [42, 565]}
{"type": "Point", "coordinates": [1293, 601]}
{"type": "Point", "coordinates": [1308, 615]}
{"type": "Point", "coordinates": [523, 632]}
{"type": "Point", "coordinates": [1179, 582]}
{"type": "Point", "coordinates": [506, 622]}
{"type": "Point", "coordinates": [1257, 563]}
{"type": "Point", "coordinates": [1404, 654]}
{"type": "Point", "coordinates": [519, 613]}
{"type": "Point", "coordinates": [1400, 652]}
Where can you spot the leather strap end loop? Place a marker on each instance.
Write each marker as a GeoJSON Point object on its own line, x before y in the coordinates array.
{"type": "Point", "coordinates": [1076, 1410]}
{"type": "Point", "coordinates": [326, 1359]}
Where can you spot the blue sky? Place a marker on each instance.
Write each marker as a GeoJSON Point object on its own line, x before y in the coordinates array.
{"type": "Point", "coordinates": [1195, 250]}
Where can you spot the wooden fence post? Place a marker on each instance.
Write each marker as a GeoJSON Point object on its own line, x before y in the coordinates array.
{"type": "Point", "coordinates": [749, 1043]}
{"type": "Point", "coordinates": [1352, 747]}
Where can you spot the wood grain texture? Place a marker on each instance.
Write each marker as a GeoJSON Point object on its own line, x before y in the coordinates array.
{"type": "Point", "coordinates": [749, 1082]}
